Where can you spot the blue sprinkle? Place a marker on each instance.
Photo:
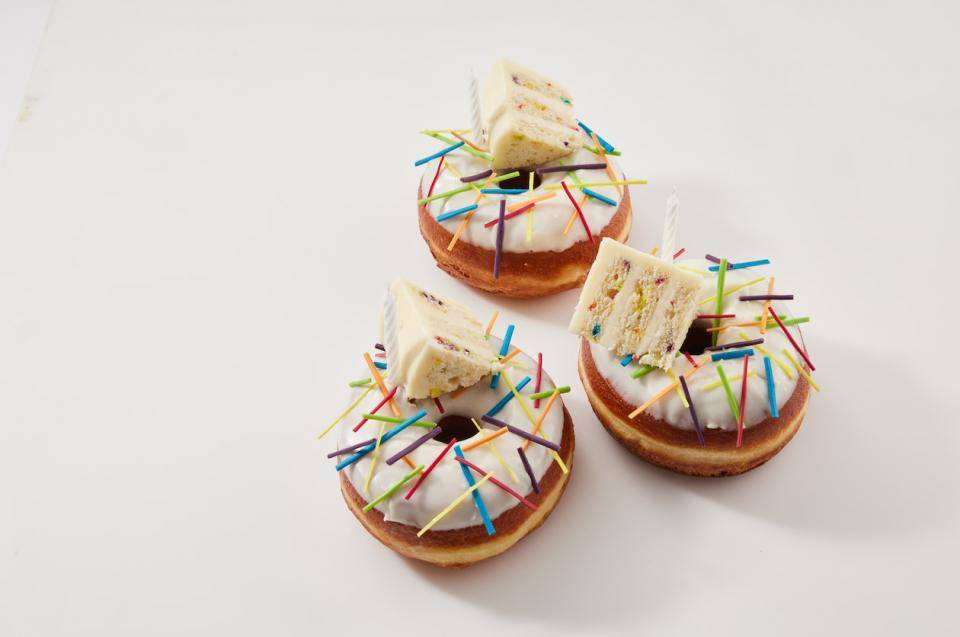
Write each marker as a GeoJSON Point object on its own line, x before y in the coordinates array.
{"type": "Point", "coordinates": [477, 500]}
{"type": "Point", "coordinates": [441, 153]}
{"type": "Point", "coordinates": [349, 460]}
{"type": "Point", "coordinates": [507, 398]}
{"type": "Point", "coordinates": [504, 348]}
{"type": "Point", "coordinates": [598, 196]}
{"type": "Point", "coordinates": [738, 266]}
{"type": "Point", "coordinates": [596, 329]}
{"type": "Point", "coordinates": [626, 360]}
{"type": "Point", "coordinates": [586, 129]}
{"type": "Point", "coordinates": [454, 213]}
{"type": "Point", "coordinates": [379, 365]}
{"type": "Point", "coordinates": [771, 390]}
{"type": "Point", "coordinates": [738, 353]}
{"type": "Point", "coordinates": [503, 191]}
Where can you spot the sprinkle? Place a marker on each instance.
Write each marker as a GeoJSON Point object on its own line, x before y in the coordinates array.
{"type": "Point", "coordinates": [713, 348]}
{"type": "Point", "coordinates": [377, 408]}
{"type": "Point", "coordinates": [606, 160]}
{"type": "Point", "coordinates": [466, 219]}
{"type": "Point", "coordinates": [529, 470]}
{"type": "Point", "coordinates": [397, 421]}
{"type": "Point", "coordinates": [496, 452]}
{"type": "Point", "coordinates": [373, 460]}
{"type": "Point", "coordinates": [739, 266]}
{"type": "Point", "coordinates": [678, 253]}
{"type": "Point", "coordinates": [776, 359]}
{"type": "Point", "coordinates": [767, 297]}
{"type": "Point", "coordinates": [381, 354]}
{"type": "Point", "coordinates": [504, 348]}
{"type": "Point", "coordinates": [457, 191]}
{"type": "Point", "coordinates": [523, 204]}
{"type": "Point", "coordinates": [360, 382]}
{"type": "Point", "coordinates": [503, 191]}
{"type": "Point", "coordinates": [598, 196]}
{"type": "Point", "coordinates": [743, 400]}
{"type": "Point", "coordinates": [507, 397]}
{"type": "Point", "coordinates": [498, 255]}
{"type": "Point", "coordinates": [436, 175]}
{"type": "Point", "coordinates": [532, 438]}
{"type": "Point", "coordinates": [596, 138]}
{"type": "Point", "coordinates": [726, 390]}
{"type": "Point", "coordinates": [393, 489]}
{"type": "Point", "coordinates": [664, 391]}
{"type": "Point", "coordinates": [771, 388]}
{"type": "Point", "coordinates": [467, 142]}
{"type": "Point", "coordinates": [724, 356]}
{"type": "Point", "coordinates": [509, 216]}
{"type": "Point", "coordinates": [457, 212]}
{"type": "Point", "coordinates": [446, 140]}
{"type": "Point", "coordinates": [346, 411]}
{"type": "Point", "coordinates": [593, 184]}
{"type": "Point", "coordinates": [762, 319]}
{"type": "Point", "coordinates": [379, 380]}
{"type": "Point", "coordinates": [689, 358]}
{"type": "Point", "coordinates": [549, 392]}
{"type": "Point", "coordinates": [527, 503]}
{"type": "Point", "coordinates": [539, 378]}
{"type": "Point", "coordinates": [387, 436]}
{"type": "Point", "coordinates": [430, 435]}
{"type": "Point", "coordinates": [493, 319]}
{"type": "Point", "coordinates": [626, 360]}
{"type": "Point", "coordinates": [676, 385]}
{"type": "Point", "coordinates": [694, 270]}
{"type": "Point", "coordinates": [436, 401]}
{"type": "Point", "coordinates": [423, 476]}
{"type": "Point", "coordinates": [380, 347]}
{"type": "Point", "coordinates": [693, 411]}
{"type": "Point", "coordinates": [379, 365]}
{"type": "Point", "coordinates": [477, 177]}
{"type": "Point", "coordinates": [720, 280]}
{"type": "Point", "coordinates": [642, 370]}
{"type": "Point", "coordinates": [800, 369]}
{"type": "Point", "coordinates": [520, 401]}
{"type": "Point", "coordinates": [769, 323]}
{"type": "Point", "coordinates": [439, 153]}
{"type": "Point", "coordinates": [340, 452]}
{"type": "Point", "coordinates": [570, 168]}
{"type": "Point", "coordinates": [583, 219]}
{"type": "Point", "coordinates": [485, 439]}
{"type": "Point", "coordinates": [789, 336]}
{"type": "Point", "coordinates": [543, 416]}
{"type": "Point", "coordinates": [450, 507]}
{"type": "Point", "coordinates": [530, 214]}
{"type": "Point", "coordinates": [653, 251]}
{"type": "Point", "coordinates": [710, 257]}
{"type": "Point", "coordinates": [713, 385]}
{"type": "Point", "coordinates": [477, 499]}
{"type": "Point", "coordinates": [730, 291]}
{"type": "Point", "coordinates": [716, 316]}
{"type": "Point", "coordinates": [615, 153]}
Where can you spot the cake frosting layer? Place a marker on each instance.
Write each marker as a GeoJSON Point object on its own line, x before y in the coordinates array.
{"type": "Point", "coordinates": [446, 481]}
{"type": "Point", "coordinates": [708, 396]}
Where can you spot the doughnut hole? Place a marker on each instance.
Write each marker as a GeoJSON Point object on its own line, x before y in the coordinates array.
{"type": "Point", "coordinates": [454, 426]}
{"type": "Point", "coordinates": [698, 338]}
{"type": "Point", "coordinates": [520, 181]}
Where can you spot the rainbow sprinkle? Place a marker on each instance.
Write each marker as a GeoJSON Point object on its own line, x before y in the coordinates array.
{"type": "Point", "coordinates": [387, 436]}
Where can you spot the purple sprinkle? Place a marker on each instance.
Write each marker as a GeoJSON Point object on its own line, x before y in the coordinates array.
{"type": "Point", "coordinates": [380, 347]}
{"type": "Point", "coordinates": [570, 168]}
{"type": "Point", "coordinates": [529, 470]}
{"type": "Point", "coordinates": [499, 253]}
{"type": "Point", "coordinates": [693, 412]}
{"type": "Point", "coordinates": [717, 348]}
{"type": "Point", "coordinates": [430, 435]}
{"type": "Point", "coordinates": [710, 257]}
{"type": "Point", "coordinates": [340, 452]}
{"type": "Point", "coordinates": [520, 432]}
{"type": "Point", "coordinates": [767, 297]}
{"type": "Point", "coordinates": [477, 177]}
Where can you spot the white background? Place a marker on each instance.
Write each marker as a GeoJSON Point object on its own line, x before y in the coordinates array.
{"type": "Point", "coordinates": [202, 202]}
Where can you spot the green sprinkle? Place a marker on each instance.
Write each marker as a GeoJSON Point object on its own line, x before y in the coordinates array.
{"type": "Point", "coordinates": [615, 153]}
{"type": "Point", "coordinates": [786, 321]}
{"type": "Point", "coordinates": [457, 191]}
{"type": "Point", "coordinates": [642, 370]}
{"type": "Point", "coordinates": [360, 382]}
{"type": "Point", "coordinates": [734, 409]}
{"type": "Point", "coordinates": [721, 276]}
{"type": "Point", "coordinates": [465, 147]}
{"type": "Point", "coordinates": [397, 421]}
{"type": "Point", "coordinates": [389, 492]}
{"type": "Point", "coordinates": [549, 392]}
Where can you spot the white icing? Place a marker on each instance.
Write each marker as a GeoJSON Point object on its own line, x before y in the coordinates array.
{"type": "Point", "coordinates": [712, 408]}
{"type": "Point", "coordinates": [549, 217]}
{"type": "Point", "coordinates": [446, 481]}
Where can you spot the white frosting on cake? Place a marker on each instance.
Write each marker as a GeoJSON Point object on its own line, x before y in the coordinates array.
{"type": "Point", "coordinates": [711, 405]}
{"type": "Point", "coordinates": [446, 481]}
{"type": "Point", "coordinates": [549, 217]}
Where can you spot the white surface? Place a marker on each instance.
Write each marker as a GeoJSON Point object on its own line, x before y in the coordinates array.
{"type": "Point", "coordinates": [202, 207]}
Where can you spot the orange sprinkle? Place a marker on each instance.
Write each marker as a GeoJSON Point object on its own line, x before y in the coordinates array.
{"type": "Point", "coordinates": [493, 319]}
{"type": "Point", "coordinates": [375, 374]}
{"type": "Point", "coordinates": [468, 142]}
{"type": "Point", "coordinates": [537, 199]}
{"type": "Point", "coordinates": [482, 441]}
{"type": "Point", "coordinates": [766, 304]}
{"type": "Point", "coordinates": [510, 355]}
{"type": "Point", "coordinates": [543, 415]}
{"type": "Point", "coordinates": [574, 215]}
{"type": "Point", "coordinates": [467, 217]}
{"type": "Point", "coordinates": [666, 390]}
{"type": "Point", "coordinates": [606, 160]}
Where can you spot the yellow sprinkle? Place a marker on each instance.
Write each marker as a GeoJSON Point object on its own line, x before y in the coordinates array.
{"type": "Point", "coordinates": [347, 411]}
{"type": "Point", "coordinates": [717, 383]}
{"type": "Point", "coordinates": [594, 184]}
{"type": "Point", "coordinates": [373, 458]}
{"type": "Point", "coordinates": [697, 270]}
{"type": "Point", "coordinates": [493, 319]}
{"type": "Point", "coordinates": [766, 306]}
{"type": "Point", "coordinates": [450, 507]}
{"type": "Point", "coordinates": [679, 389]}
{"type": "Point", "coordinates": [496, 452]}
{"type": "Point", "coordinates": [467, 141]}
{"type": "Point", "coordinates": [653, 252]}
{"type": "Point", "coordinates": [801, 369]}
{"type": "Point", "coordinates": [776, 359]}
{"type": "Point", "coordinates": [458, 175]}
{"type": "Point", "coordinates": [563, 467]}
{"type": "Point", "coordinates": [533, 421]}
{"type": "Point", "coordinates": [733, 289]}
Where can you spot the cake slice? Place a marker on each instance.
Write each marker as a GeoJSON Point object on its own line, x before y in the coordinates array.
{"type": "Point", "coordinates": [634, 303]}
{"type": "Point", "coordinates": [433, 345]}
{"type": "Point", "coordinates": [528, 118]}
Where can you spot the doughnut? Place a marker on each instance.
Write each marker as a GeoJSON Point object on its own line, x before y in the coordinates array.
{"type": "Point", "coordinates": [397, 456]}
{"type": "Point", "coordinates": [645, 408]}
{"type": "Point", "coordinates": [551, 178]}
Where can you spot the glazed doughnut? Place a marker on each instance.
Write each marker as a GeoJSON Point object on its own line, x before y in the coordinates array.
{"type": "Point", "coordinates": [718, 443]}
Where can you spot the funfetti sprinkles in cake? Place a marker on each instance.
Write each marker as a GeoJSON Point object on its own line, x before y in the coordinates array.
{"type": "Point", "coordinates": [433, 345]}
{"type": "Point", "coordinates": [635, 304]}
{"type": "Point", "coordinates": [528, 118]}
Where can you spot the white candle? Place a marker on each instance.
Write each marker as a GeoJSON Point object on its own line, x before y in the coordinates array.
{"type": "Point", "coordinates": [668, 242]}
